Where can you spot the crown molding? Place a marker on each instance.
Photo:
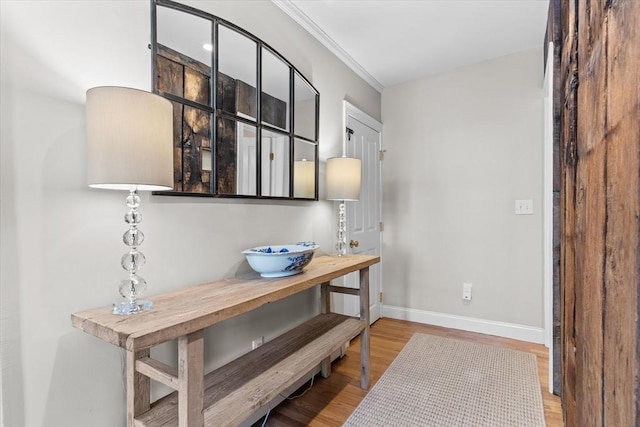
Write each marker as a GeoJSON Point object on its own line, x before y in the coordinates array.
{"type": "Point", "coordinates": [312, 28]}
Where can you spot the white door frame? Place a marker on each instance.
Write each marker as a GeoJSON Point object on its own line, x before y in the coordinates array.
{"type": "Point", "coordinates": [547, 221]}
{"type": "Point", "coordinates": [350, 110]}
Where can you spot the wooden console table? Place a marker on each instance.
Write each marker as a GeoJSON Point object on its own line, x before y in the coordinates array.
{"type": "Point", "coordinates": [230, 394]}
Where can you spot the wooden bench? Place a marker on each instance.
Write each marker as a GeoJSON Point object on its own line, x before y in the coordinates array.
{"type": "Point", "coordinates": [230, 394]}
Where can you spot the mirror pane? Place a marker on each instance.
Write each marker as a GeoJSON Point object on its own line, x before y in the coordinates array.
{"type": "Point", "coordinates": [275, 164]}
{"type": "Point", "coordinates": [275, 91]}
{"type": "Point", "coordinates": [304, 169]}
{"type": "Point", "coordinates": [195, 142]}
{"type": "Point", "coordinates": [177, 145]}
{"type": "Point", "coordinates": [304, 109]}
{"type": "Point", "coordinates": [236, 158]}
{"type": "Point", "coordinates": [237, 73]}
{"type": "Point", "coordinates": [184, 54]}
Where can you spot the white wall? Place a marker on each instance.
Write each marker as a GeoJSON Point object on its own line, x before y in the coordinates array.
{"type": "Point", "coordinates": [462, 147]}
{"type": "Point", "coordinates": [61, 241]}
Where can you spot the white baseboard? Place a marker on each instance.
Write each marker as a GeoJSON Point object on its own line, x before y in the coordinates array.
{"type": "Point", "coordinates": [489, 327]}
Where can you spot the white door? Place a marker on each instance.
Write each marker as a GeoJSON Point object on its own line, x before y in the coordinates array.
{"type": "Point", "coordinates": [364, 141]}
{"type": "Point", "coordinates": [275, 165]}
{"type": "Point", "coordinates": [246, 170]}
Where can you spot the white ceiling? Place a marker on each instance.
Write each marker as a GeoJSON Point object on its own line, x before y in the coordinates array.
{"type": "Point", "coordinates": [388, 42]}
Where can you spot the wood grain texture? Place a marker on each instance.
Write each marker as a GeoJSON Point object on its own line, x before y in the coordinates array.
{"type": "Point", "coordinates": [191, 380]}
{"type": "Point", "coordinates": [170, 79]}
{"type": "Point", "coordinates": [236, 390]}
{"type": "Point", "coordinates": [187, 61]}
{"type": "Point", "coordinates": [274, 111]}
{"type": "Point", "coordinates": [247, 99]}
{"type": "Point", "coordinates": [226, 155]}
{"type": "Point", "coordinates": [342, 290]}
{"type": "Point", "coordinates": [170, 76]}
{"type": "Point", "coordinates": [568, 88]}
{"type": "Point", "coordinates": [270, 381]}
{"type": "Point", "coordinates": [243, 386]}
{"type": "Point", "coordinates": [601, 210]}
{"type": "Point", "coordinates": [325, 307]}
{"type": "Point", "coordinates": [178, 113]}
{"type": "Point", "coordinates": [186, 78]}
{"type": "Point", "coordinates": [622, 338]}
{"type": "Point", "coordinates": [330, 401]}
{"type": "Point", "coordinates": [196, 132]}
{"type": "Point", "coordinates": [196, 86]}
{"type": "Point", "coordinates": [590, 212]}
{"type": "Point", "coordinates": [365, 339]}
{"type": "Point", "coordinates": [138, 387]}
{"type": "Point", "coordinates": [187, 310]}
{"type": "Point", "coordinates": [158, 371]}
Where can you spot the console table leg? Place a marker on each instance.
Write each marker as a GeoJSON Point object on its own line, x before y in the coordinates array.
{"type": "Point", "coordinates": [191, 380]}
{"type": "Point", "coordinates": [365, 355]}
{"type": "Point", "coordinates": [325, 307]}
{"type": "Point", "coordinates": [138, 387]}
{"type": "Point", "coordinates": [325, 298]}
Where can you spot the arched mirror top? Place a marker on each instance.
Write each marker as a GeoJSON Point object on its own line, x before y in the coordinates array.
{"type": "Point", "coordinates": [245, 119]}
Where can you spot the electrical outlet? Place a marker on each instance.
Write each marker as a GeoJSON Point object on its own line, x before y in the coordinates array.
{"type": "Point", "coordinates": [257, 343]}
{"type": "Point", "coordinates": [466, 291]}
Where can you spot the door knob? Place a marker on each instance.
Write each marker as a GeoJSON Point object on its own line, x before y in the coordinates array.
{"type": "Point", "coordinates": [354, 244]}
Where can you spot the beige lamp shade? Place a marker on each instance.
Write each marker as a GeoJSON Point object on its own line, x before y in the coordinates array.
{"type": "Point", "coordinates": [129, 139]}
{"type": "Point", "coordinates": [343, 178]}
{"type": "Point", "coordinates": [304, 179]}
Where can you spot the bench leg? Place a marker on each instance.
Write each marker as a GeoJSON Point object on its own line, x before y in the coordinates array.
{"type": "Point", "coordinates": [325, 302]}
{"type": "Point", "coordinates": [191, 380]}
{"type": "Point", "coordinates": [138, 387]}
{"type": "Point", "coordinates": [365, 355]}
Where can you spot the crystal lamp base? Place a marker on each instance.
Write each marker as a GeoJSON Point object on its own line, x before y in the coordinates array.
{"type": "Point", "coordinates": [341, 246]}
{"type": "Point", "coordinates": [131, 307]}
{"type": "Point", "coordinates": [134, 286]}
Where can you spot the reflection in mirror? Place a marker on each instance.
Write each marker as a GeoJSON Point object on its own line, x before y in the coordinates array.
{"type": "Point", "coordinates": [243, 145]}
{"type": "Point", "coordinates": [246, 160]}
{"type": "Point", "coordinates": [304, 169]}
{"type": "Point", "coordinates": [236, 158]}
{"type": "Point", "coordinates": [275, 91]}
{"type": "Point", "coordinates": [275, 164]}
{"type": "Point", "coordinates": [195, 139]}
{"type": "Point", "coordinates": [183, 62]}
{"type": "Point", "coordinates": [205, 154]}
{"type": "Point", "coordinates": [237, 73]}
{"type": "Point", "coordinates": [304, 108]}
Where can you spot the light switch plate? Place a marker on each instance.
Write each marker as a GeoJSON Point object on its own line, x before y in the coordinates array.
{"type": "Point", "coordinates": [524, 207]}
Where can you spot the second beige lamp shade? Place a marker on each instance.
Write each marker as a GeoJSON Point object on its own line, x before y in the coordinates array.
{"type": "Point", "coordinates": [343, 178]}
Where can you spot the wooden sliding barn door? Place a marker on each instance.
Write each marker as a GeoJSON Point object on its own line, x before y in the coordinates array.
{"type": "Point", "coordinates": [600, 208]}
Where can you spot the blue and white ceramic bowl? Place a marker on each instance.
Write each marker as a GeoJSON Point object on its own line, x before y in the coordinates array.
{"type": "Point", "coordinates": [280, 260]}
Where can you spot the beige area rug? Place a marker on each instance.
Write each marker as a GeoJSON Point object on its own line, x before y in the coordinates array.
{"type": "Point", "coordinates": [443, 382]}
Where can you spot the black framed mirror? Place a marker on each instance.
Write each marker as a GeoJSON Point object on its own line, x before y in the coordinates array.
{"type": "Point", "coordinates": [245, 119]}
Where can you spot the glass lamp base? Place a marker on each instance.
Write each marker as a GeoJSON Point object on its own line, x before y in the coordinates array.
{"type": "Point", "coordinates": [126, 308]}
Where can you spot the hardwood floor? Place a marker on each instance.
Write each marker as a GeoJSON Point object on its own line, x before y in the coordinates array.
{"type": "Point", "coordinates": [330, 401]}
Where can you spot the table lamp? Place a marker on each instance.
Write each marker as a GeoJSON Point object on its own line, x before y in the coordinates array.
{"type": "Point", "coordinates": [343, 184]}
{"type": "Point", "coordinates": [129, 147]}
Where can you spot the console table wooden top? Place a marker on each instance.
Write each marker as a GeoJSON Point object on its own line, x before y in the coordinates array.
{"type": "Point", "coordinates": [184, 311]}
